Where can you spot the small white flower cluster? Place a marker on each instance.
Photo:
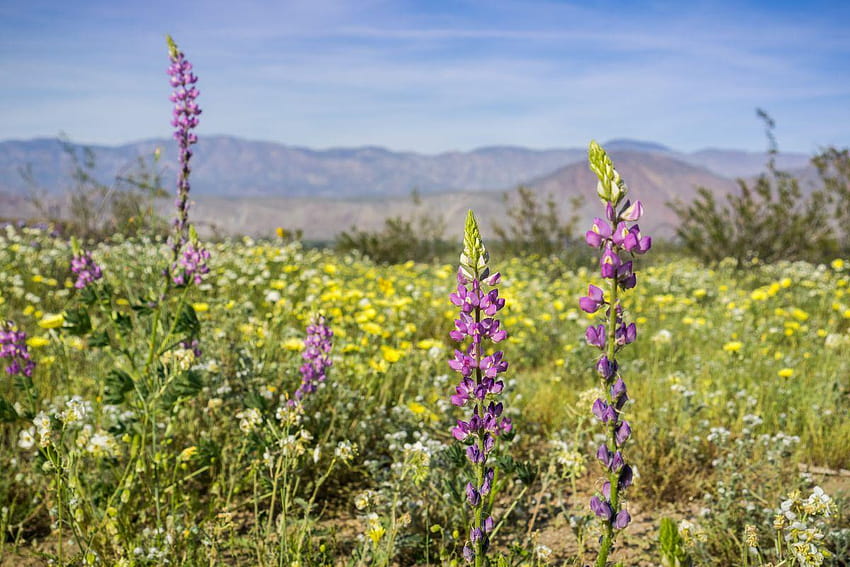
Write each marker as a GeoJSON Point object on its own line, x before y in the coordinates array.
{"type": "Point", "coordinates": [836, 341]}
{"type": "Point", "coordinates": [295, 445]}
{"type": "Point", "coordinates": [97, 443]}
{"type": "Point", "coordinates": [718, 435]}
{"type": "Point", "coordinates": [289, 415]}
{"type": "Point", "coordinates": [366, 499]}
{"type": "Point", "coordinates": [249, 419]}
{"type": "Point", "coordinates": [415, 462]}
{"type": "Point", "coordinates": [76, 410]}
{"type": "Point", "coordinates": [345, 451]}
{"type": "Point", "coordinates": [571, 461]}
{"type": "Point", "coordinates": [181, 359]}
{"type": "Point", "coordinates": [691, 532]}
{"type": "Point", "coordinates": [801, 522]}
{"type": "Point", "coordinates": [43, 426]}
{"type": "Point", "coordinates": [542, 553]}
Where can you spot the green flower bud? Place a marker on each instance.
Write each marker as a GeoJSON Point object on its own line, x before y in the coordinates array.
{"type": "Point", "coordinates": [611, 188]}
{"type": "Point", "coordinates": [473, 259]}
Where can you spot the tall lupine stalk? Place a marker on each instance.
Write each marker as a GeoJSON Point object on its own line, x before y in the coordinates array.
{"type": "Point", "coordinates": [184, 120]}
{"type": "Point", "coordinates": [480, 385]}
{"type": "Point", "coordinates": [617, 239]}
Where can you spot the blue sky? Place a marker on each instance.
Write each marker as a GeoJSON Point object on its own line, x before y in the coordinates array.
{"type": "Point", "coordinates": [433, 76]}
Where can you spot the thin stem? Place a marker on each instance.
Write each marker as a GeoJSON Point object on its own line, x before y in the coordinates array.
{"type": "Point", "coordinates": [611, 348]}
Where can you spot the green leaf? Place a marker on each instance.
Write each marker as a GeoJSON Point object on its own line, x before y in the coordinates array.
{"type": "Point", "coordinates": [88, 295]}
{"type": "Point", "coordinates": [122, 320]}
{"type": "Point", "coordinates": [99, 339]}
{"type": "Point", "coordinates": [8, 413]}
{"type": "Point", "coordinates": [143, 309]}
{"type": "Point", "coordinates": [77, 322]}
{"type": "Point", "coordinates": [186, 385]}
{"type": "Point", "coordinates": [117, 383]}
{"type": "Point", "coordinates": [187, 322]}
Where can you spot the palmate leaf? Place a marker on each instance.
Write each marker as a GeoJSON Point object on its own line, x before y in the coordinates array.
{"type": "Point", "coordinates": [184, 386]}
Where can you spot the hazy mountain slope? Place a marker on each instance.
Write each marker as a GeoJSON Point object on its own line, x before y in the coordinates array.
{"type": "Point", "coordinates": [654, 178]}
{"type": "Point", "coordinates": [229, 166]}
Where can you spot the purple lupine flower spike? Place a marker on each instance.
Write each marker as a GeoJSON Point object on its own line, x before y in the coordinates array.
{"type": "Point", "coordinates": [13, 346]}
{"type": "Point", "coordinates": [85, 268]}
{"type": "Point", "coordinates": [316, 355]}
{"type": "Point", "coordinates": [192, 265]}
{"type": "Point", "coordinates": [480, 382]}
{"type": "Point", "coordinates": [184, 120]}
{"type": "Point", "coordinates": [619, 240]}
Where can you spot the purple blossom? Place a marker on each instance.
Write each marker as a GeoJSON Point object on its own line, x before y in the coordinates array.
{"type": "Point", "coordinates": [606, 367]}
{"type": "Point", "coordinates": [609, 263]}
{"type": "Point", "coordinates": [626, 334]}
{"type": "Point", "coordinates": [622, 433]}
{"type": "Point", "coordinates": [316, 355]}
{"type": "Point", "coordinates": [194, 345]}
{"type": "Point", "coordinates": [603, 411]}
{"type": "Point", "coordinates": [86, 269]}
{"type": "Point", "coordinates": [634, 242]}
{"type": "Point", "coordinates": [598, 233]}
{"type": "Point", "coordinates": [192, 265]}
{"type": "Point", "coordinates": [619, 394]}
{"type": "Point", "coordinates": [593, 301]}
{"type": "Point", "coordinates": [13, 346]}
{"type": "Point", "coordinates": [632, 212]}
{"type": "Point", "coordinates": [596, 336]}
{"type": "Point", "coordinates": [601, 508]}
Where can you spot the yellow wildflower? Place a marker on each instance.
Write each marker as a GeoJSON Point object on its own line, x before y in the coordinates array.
{"type": "Point", "coordinates": [52, 321]}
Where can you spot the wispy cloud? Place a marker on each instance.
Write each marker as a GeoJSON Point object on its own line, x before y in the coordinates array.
{"type": "Point", "coordinates": [432, 76]}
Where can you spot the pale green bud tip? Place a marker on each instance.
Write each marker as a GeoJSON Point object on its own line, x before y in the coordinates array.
{"type": "Point", "coordinates": [76, 250]}
{"type": "Point", "coordinates": [473, 260]}
{"type": "Point", "coordinates": [172, 47]}
{"type": "Point", "coordinates": [193, 234]}
{"type": "Point", "coordinates": [611, 187]}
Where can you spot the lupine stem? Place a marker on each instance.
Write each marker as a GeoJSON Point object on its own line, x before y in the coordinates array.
{"type": "Point", "coordinates": [614, 239]}
{"type": "Point", "coordinates": [479, 386]}
{"type": "Point", "coordinates": [611, 321]}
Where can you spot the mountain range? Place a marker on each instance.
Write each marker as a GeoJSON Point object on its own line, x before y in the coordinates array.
{"type": "Point", "coordinates": [242, 186]}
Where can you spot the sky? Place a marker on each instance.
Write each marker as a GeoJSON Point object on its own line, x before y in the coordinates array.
{"type": "Point", "coordinates": [433, 76]}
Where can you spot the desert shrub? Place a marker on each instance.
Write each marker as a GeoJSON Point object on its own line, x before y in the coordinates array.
{"type": "Point", "coordinates": [95, 210]}
{"type": "Point", "coordinates": [535, 227]}
{"type": "Point", "coordinates": [419, 238]}
{"type": "Point", "coordinates": [770, 219]}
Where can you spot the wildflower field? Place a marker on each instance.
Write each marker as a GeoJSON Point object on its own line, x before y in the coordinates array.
{"type": "Point", "coordinates": [172, 402]}
{"type": "Point", "coordinates": [738, 378]}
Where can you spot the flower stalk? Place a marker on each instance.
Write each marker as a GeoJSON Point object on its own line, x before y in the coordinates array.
{"type": "Point", "coordinates": [478, 299]}
{"type": "Point", "coordinates": [619, 241]}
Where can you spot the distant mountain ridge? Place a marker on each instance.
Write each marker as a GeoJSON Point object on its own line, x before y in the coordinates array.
{"type": "Point", "coordinates": [244, 187]}
{"type": "Point", "coordinates": [226, 166]}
